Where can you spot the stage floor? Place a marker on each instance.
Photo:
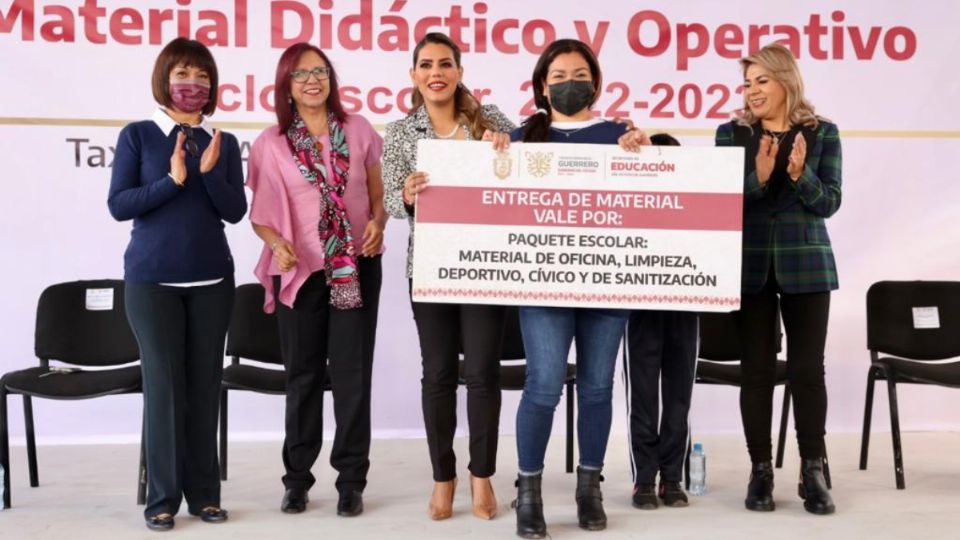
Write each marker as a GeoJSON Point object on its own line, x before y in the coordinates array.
{"type": "Point", "coordinates": [89, 492]}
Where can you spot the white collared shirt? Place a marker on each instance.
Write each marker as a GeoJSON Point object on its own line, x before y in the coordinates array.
{"type": "Point", "coordinates": [167, 124]}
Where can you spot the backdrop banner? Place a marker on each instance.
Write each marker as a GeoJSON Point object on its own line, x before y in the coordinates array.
{"type": "Point", "coordinates": [74, 72]}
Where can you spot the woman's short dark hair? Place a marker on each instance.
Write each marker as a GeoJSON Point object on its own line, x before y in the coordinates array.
{"type": "Point", "coordinates": [190, 53]}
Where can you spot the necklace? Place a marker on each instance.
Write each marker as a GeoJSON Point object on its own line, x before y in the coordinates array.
{"type": "Point", "coordinates": [569, 132]}
{"type": "Point", "coordinates": [777, 136]}
{"type": "Point", "coordinates": [450, 135]}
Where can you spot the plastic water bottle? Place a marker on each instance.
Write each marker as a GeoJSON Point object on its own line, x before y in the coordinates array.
{"type": "Point", "coordinates": [1, 488]}
{"type": "Point", "coordinates": [698, 470]}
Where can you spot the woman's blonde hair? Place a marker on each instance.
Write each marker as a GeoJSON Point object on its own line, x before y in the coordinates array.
{"type": "Point", "coordinates": [782, 67]}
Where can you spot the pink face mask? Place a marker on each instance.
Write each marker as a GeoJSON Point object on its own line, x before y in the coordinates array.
{"type": "Point", "coordinates": [189, 95]}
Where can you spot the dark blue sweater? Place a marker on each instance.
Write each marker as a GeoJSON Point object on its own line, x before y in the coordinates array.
{"type": "Point", "coordinates": [605, 132]}
{"type": "Point", "coordinates": [177, 232]}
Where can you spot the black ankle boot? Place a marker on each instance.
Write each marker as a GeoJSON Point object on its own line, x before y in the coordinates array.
{"type": "Point", "coordinates": [813, 488]}
{"type": "Point", "coordinates": [529, 505]}
{"type": "Point", "coordinates": [760, 488]}
{"type": "Point", "coordinates": [589, 500]}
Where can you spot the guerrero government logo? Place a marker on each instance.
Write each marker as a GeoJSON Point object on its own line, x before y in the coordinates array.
{"type": "Point", "coordinates": [538, 163]}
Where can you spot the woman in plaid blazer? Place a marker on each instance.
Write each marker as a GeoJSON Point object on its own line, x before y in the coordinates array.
{"type": "Point", "coordinates": [791, 185]}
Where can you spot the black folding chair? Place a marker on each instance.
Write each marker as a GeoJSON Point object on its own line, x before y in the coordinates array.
{"type": "Point", "coordinates": [81, 323]}
{"type": "Point", "coordinates": [253, 335]}
{"type": "Point", "coordinates": [513, 372]}
{"type": "Point", "coordinates": [719, 363]}
{"type": "Point", "coordinates": [916, 323]}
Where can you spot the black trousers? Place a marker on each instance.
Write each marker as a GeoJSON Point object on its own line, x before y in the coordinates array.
{"type": "Point", "coordinates": [805, 323]}
{"type": "Point", "coordinates": [320, 342]}
{"type": "Point", "coordinates": [661, 357]}
{"type": "Point", "coordinates": [440, 327]}
{"type": "Point", "coordinates": [181, 333]}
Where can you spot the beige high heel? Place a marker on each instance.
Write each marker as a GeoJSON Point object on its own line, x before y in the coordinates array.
{"type": "Point", "coordinates": [484, 500]}
{"type": "Point", "coordinates": [441, 502]}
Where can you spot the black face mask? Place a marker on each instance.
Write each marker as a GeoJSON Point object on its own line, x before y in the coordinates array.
{"type": "Point", "coordinates": [571, 97]}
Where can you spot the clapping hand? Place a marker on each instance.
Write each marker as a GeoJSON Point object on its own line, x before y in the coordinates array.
{"type": "Point", "coordinates": [210, 156]}
{"type": "Point", "coordinates": [798, 156]}
{"type": "Point", "coordinates": [178, 161]}
{"type": "Point", "coordinates": [766, 157]}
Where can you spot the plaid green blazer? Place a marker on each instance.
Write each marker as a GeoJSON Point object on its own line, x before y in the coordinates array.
{"type": "Point", "coordinates": [784, 229]}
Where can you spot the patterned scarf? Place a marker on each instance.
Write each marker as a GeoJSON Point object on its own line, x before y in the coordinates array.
{"type": "Point", "coordinates": [340, 258]}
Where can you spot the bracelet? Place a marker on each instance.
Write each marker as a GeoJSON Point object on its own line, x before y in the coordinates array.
{"type": "Point", "coordinates": [175, 181]}
{"type": "Point", "coordinates": [275, 243]}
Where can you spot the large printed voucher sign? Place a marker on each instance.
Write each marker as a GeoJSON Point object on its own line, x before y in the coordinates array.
{"type": "Point", "coordinates": [579, 225]}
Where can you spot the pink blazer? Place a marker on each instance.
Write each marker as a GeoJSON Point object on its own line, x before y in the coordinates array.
{"type": "Point", "coordinates": [284, 201]}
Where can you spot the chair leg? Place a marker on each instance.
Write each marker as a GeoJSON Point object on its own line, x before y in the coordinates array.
{"type": "Point", "coordinates": [784, 418]}
{"type": "Point", "coordinates": [867, 417]}
{"type": "Point", "coordinates": [31, 440]}
{"type": "Point", "coordinates": [570, 391]}
{"type": "Point", "coordinates": [686, 460]}
{"type": "Point", "coordinates": [895, 430]}
{"type": "Point", "coordinates": [4, 447]}
{"type": "Point", "coordinates": [223, 433]}
{"type": "Point", "coordinates": [142, 469]}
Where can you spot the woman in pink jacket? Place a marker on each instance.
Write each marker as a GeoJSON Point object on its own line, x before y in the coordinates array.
{"type": "Point", "coordinates": [318, 207]}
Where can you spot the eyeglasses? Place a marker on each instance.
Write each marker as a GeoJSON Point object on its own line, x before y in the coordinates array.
{"type": "Point", "coordinates": [302, 75]}
{"type": "Point", "coordinates": [190, 145]}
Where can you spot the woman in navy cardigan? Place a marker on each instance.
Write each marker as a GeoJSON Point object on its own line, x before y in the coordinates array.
{"type": "Point", "coordinates": [179, 180]}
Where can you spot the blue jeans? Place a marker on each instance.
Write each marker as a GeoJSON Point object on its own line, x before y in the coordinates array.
{"type": "Point", "coordinates": [547, 335]}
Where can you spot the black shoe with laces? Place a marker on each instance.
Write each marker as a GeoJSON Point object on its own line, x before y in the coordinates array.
{"type": "Point", "coordinates": [673, 495]}
{"type": "Point", "coordinates": [645, 497]}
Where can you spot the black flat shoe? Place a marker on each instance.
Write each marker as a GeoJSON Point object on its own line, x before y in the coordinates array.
{"type": "Point", "coordinates": [294, 501]}
{"type": "Point", "coordinates": [213, 514]}
{"type": "Point", "coordinates": [813, 488]}
{"type": "Point", "coordinates": [645, 497]}
{"type": "Point", "coordinates": [673, 495]}
{"type": "Point", "coordinates": [160, 522]}
{"type": "Point", "coordinates": [760, 489]}
{"type": "Point", "coordinates": [350, 503]}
